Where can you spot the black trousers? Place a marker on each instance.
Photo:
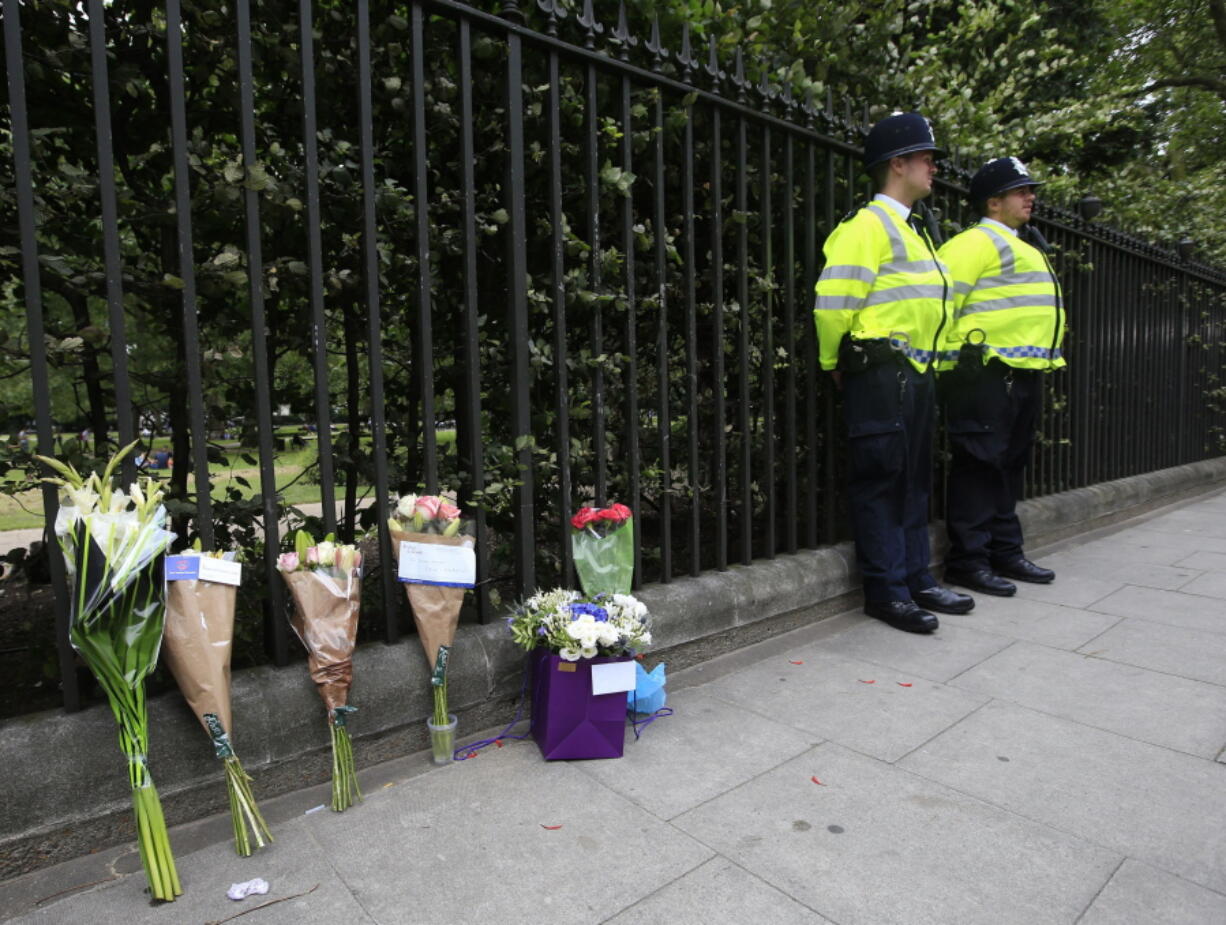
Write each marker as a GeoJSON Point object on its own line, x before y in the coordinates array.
{"type": "Point", "coordinates": [890, 412]}
{"type": "Point", "coordinates": [991, 418]}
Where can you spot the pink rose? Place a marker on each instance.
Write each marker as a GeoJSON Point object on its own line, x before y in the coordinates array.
{"type": "Point", "coordinates": [427, 506]}
{"type": "Point", "coordinates": [447, 510]}
{"type": "Point", "coordinates": [312, 555]}
{"type": "Point", "coordinates": [287, 562]}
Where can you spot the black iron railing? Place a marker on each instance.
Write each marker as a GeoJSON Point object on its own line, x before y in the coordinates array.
{"type": "Point", "coordinates": [590, 252]}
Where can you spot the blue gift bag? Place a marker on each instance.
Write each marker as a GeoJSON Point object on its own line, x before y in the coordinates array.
{"type": "Point", "coordinates": [648, 694]}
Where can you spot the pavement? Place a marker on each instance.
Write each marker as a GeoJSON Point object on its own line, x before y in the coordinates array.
{"type": "Point", "coordinates": [1056, 757]}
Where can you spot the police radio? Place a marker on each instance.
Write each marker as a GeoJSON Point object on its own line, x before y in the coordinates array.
{"type": "Point", "coordinates": [1032, 235]}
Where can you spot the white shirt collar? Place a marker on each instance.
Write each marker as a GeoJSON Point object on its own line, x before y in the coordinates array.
{"type": "Point", "coordinates": [999, 226]}
{"type": "Point", "coordinates": [903, 212]}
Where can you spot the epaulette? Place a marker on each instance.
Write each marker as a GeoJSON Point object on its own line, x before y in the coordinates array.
{"type": "Point", "coordinates": [850, 215]}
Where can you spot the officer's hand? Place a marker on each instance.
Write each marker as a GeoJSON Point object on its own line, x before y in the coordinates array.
{"type": "Point", "coordinates": [837, 376]}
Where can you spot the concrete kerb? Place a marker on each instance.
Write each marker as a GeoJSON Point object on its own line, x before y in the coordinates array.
{"type": "Point", "coordinates": [67, 793]}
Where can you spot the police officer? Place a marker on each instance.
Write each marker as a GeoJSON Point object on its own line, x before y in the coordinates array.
{"type": "Point", "coordinates": [1009, 320]}
{"type": "Point", "coordinates": [881, 311]}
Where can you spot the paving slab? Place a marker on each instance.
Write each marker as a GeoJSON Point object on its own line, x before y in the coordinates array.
{"type": "Point", "coordinates": [1142, 895]}
{"type": "Point", "coordinates": [1073, 589]}
{"type": "Point", "coordinates": [875, 844]}
{"type": "Point", "coordinates": [1142, 801]}
{"type": "Point", "coordinates": [1205, 561]}
{"type": "Point", "coordinates": [1174, 650]}
{"type": "Point", "coordinates": [705, 748]}
{"type": "Point", "coordinates": [1211, 584]}
{"type": "Point", "coordinates": [469, 842]}
{"type": "Point", "coordinates": [295, 864]}
{"type": "Point", "coordinates": [1127, 547]}
{"type": "Point", "coordinates": [937, 656]}
{"type": "Point", "coordinates": [718, 891]}
{"type": "Point", "coordinates": [1174, 535]}
{"type": "Point", "coordinates": [1173, 608]}
{"type": "Point", "coordinates": [1191, 520]}
{"type": "Point", "coordinates": [1052, 625]}
{"type": "Point", "coordinates": [1104, 566]}
{"type": "Point", "coordinates": [1189, 716]}
{"type": "Point", "coordinates": [826, 695]}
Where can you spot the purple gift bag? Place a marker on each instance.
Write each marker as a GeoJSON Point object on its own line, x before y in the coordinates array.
{"type": "Point", "coordinates": [567, 720]}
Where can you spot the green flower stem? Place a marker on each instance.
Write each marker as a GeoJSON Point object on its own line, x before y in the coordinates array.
{"type": "Point", "coordinates": [440, 704]}
{"type": "Point", "coordinates": [154, 844]}
{"type": "Point", "coordinates": [345, 790]}
{"type": "Point", "coordinates": [244, 812]}
{"type": "Point", "coordinates": [242, 845]}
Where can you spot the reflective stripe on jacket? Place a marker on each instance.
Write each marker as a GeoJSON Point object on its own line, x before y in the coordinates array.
{"type": "Point", "coordinates": [881, 280]}
{"type": "Point", "coordinates": [1004, 288]}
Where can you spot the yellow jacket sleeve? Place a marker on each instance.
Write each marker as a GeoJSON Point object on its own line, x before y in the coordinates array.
{"type": "Point", "coordinates": [854, 253]}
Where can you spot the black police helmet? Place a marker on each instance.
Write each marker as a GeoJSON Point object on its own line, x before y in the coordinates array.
{"type": "Point", "coordinates": [896, 135]}
{"type": "Point", "coordinates": [999, 176]}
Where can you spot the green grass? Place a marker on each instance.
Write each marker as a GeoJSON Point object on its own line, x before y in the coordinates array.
{"type": "Point", "coordinates": [25, 510]}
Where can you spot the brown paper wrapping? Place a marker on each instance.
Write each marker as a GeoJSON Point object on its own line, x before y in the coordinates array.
{"type": "Point", "coordinates": [197, 644]}
{"type": "Point", "coordinates": [325, 618]}
{"type": "Point", "coordinates": [436, 610]}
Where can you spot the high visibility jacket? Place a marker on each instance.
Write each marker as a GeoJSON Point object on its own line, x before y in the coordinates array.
{"type": "Point", "coordinates": [1004, 288]}
{"type": "Point", "coordinates": [882, 280]}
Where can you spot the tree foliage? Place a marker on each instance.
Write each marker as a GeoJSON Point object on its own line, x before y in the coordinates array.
{"type": "Point", "coordinates": [1125, 99]}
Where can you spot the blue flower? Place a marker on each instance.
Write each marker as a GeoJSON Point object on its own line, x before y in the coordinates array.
{"type": "Point", "coordinates": [598, 613]}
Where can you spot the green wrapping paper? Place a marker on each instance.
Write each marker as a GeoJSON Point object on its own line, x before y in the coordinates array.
{"type": "Point", "coordinates": [605, 563]}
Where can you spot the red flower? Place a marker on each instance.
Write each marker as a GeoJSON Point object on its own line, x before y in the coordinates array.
{"type": "Point", "coordinates": [618, 512]}
{"type": "Point", "coordinates": [583, 517]}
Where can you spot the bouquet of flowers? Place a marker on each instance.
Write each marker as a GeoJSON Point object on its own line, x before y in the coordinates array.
{"type": "Point", "coordinates": [200, 592]}
{"type": "Point", "coordinates": [602, 544]}
{"type": "Point", "coordinates": [113, 542]}
{"type": "Point", "coordinates": [435, 598]}
{"type": "Point", "coordinates": [324, 580]}
{"type": "Point", "coordinates": [572, 639]}
{"type": "Point", "coordinates": [574, 627]}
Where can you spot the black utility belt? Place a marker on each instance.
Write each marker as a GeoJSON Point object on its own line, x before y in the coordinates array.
{"type": "Point", "coordinates": [855, 356]}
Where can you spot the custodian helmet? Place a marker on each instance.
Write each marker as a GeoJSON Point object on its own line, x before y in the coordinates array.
{"type": "Point", "coordinates": [999, 176]}
{"type": "Point", "coordinates": [896, 135]}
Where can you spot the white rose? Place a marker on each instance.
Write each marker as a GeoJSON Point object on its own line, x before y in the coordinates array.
{"type": "Point", "coordinates": [570, 654]}
{"type": "Point", "coordinates": [578, 629]}
{"type": "Point", "coordinates": [406, 506]}
{"type": "Point", "coordinates": [588, 652]}
{"type": "Point", "coordinates": [327, 553]}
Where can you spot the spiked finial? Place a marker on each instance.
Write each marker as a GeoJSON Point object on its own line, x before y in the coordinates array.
{"type": "Point", "coordinates": [684, 58]}
{"type": "Point", "coordinates": [590, 24]}
{"type": "Point", "coordinates": [808, 108]}
{"type": "Point", "coordinates": [712, 66]}
{"type": "Point", "coordinates": [555, 11]}
{"type": "Point", "coordinates": [659, 54]}
{"type": "Point", "coordinates": [738, 76]}
{"type": "Point", "coordinates": [765, 89]}
{"type": "Point", "coordinates": [621, 35]}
